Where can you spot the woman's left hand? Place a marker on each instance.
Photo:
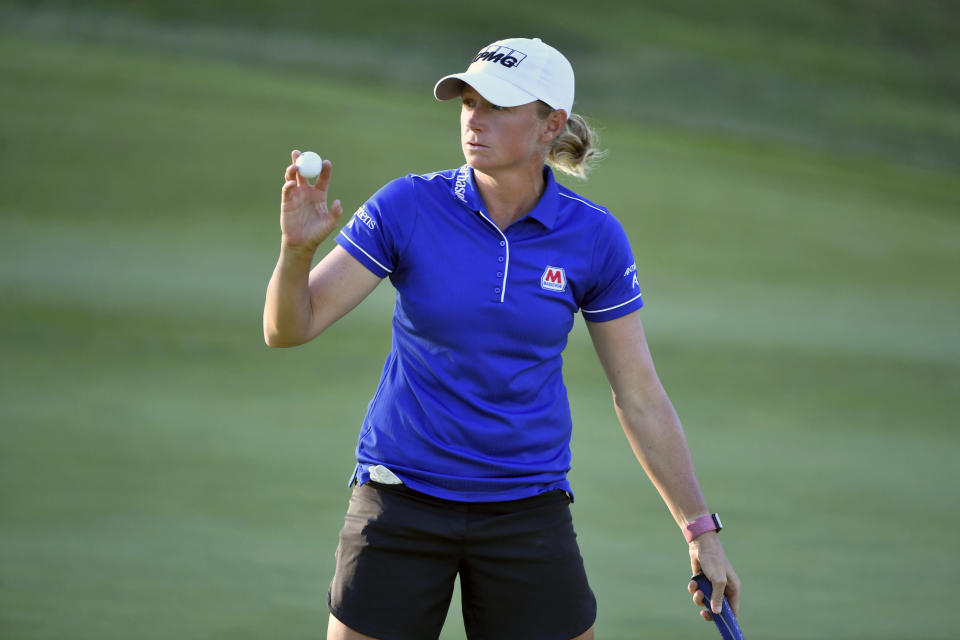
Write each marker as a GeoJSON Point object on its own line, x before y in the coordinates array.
{"type": "Point", "coordinates": [707, 556]}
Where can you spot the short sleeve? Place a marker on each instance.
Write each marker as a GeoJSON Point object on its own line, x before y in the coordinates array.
{"type": "Point", "coordinates": [615, 289]}
{"type": "Point", "coordinates": [378, 231]}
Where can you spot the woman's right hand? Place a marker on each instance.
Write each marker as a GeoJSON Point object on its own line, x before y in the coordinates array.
{"type": "Point", "coordinates": [305, 218]}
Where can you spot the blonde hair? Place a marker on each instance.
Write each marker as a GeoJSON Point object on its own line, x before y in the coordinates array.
{"type": "Point", "coordinates": [575, 149]}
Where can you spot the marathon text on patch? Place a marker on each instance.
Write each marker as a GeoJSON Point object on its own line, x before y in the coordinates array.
{"type": "Point", "coordinates": [504, 55]}
{"type": "Point", "coordinates": [553, 279]}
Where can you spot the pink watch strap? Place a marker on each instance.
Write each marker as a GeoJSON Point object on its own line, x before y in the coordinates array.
{"type": "Point", "coordinates": [702, 525]}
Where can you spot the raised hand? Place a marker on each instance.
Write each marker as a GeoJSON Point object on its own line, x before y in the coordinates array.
{"type": "Point", "coordinates": [305, 218]}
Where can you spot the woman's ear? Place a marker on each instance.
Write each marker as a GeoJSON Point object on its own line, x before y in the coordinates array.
{"type": "Point", "coordinates": [555, 123]}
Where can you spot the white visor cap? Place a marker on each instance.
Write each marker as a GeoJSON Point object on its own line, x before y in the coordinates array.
{"type": "Point", "coordinates": [515, 71]}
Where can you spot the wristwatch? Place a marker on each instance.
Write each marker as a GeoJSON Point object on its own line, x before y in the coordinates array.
{"type": "Point", "coordinates": [702, 525]}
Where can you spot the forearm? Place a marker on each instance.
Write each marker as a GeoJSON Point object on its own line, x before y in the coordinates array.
{"type": "Point", "coordinates": [656, 436]}
{"type": "Point", "coordinates": [657, 439]}
{"type": "Point", "coordinates": [287, 311]}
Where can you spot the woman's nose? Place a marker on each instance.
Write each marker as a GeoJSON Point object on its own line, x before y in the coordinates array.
{"type": "Point", "coordinates": [474, 119]}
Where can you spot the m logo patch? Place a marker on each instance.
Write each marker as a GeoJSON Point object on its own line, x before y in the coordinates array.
{"type": "Point", "coordinates": [553, 279]}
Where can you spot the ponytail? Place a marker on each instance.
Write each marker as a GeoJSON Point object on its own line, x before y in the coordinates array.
{"type": "Point", "coordinates": [575, 149]}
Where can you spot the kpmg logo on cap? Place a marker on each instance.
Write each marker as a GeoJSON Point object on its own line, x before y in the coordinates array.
{"type": "Point", "coordinates": [504, 55]}
{"type": "Point", "coordinates": [553, 279]}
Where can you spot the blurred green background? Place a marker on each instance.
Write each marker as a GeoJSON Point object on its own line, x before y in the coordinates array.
{"type": "Point", "coordinates": [788, 176]}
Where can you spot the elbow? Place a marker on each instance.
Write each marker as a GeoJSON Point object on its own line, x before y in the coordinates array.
{"type": "Point", "coordinates": [278, 343]}
{"type": "Point", "coordinates": [640, 406]}
{"type": "Point", "coordinates": [280, 332]}
{"type": "Point", "coordinates": [277, 340]}
{"type": "Point", "coordinates": [273, 341]}
{"type": "Point", "coordinates": [631, 404]}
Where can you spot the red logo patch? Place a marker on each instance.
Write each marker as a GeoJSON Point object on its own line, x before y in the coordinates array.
{"type": "Point", "coordinates": [553, 279]}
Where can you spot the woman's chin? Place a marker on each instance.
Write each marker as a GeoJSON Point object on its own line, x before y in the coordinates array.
{"type": "Point", "coordinates": [477, 164]}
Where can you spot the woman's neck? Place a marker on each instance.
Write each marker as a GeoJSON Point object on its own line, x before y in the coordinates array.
{"type": "Point", "coordinates": [510, 195]}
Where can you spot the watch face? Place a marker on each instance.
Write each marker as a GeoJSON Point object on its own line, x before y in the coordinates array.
{"type": "Point", "coordinates": [716, 520]}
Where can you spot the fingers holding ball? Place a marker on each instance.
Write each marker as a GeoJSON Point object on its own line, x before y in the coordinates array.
{"type": "Point", "coordinates": [309, 164]}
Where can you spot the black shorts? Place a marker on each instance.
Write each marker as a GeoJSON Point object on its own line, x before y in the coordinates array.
{"type": "Point", "coordinates": [521, 573]}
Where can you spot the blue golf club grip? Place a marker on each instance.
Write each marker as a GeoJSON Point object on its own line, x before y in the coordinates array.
{"type": "Point", "coordinates": [726, 622]}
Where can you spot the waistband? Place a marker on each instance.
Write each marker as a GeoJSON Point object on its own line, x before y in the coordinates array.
{"type": "Point", "coordinates": [548, 497]}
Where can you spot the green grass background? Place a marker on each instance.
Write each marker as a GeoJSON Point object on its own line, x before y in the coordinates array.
{"type": "Point", "coordinates": [788, 177]}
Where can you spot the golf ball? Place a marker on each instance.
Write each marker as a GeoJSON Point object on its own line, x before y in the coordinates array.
{"type": "Point", "coordinates": [309, 164]}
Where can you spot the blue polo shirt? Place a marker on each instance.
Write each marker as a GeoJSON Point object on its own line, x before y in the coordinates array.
{"type": "Point", "coordinates": [471, 404]}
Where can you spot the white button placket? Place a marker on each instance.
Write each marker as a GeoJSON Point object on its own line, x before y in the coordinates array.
{"type": "Point", "coordinates": [502, 260]}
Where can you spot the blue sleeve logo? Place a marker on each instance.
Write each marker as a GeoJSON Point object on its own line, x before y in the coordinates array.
{"type": "Point", "coordinates": [632, 269]}
{"type": "Point", "coordinates": [365, 218]}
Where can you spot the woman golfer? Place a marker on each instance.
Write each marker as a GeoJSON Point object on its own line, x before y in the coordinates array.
{"type": "Point", "coordinates": [463, 455]}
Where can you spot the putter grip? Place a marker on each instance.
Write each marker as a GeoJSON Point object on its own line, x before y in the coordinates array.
{"type": "Point", "coordinates": [726, 622]}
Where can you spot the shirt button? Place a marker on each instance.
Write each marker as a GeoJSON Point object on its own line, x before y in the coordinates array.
{"type": "Point", "coordinates": [502, 243]}
{"type": "Point", "coordinates": [500, 259]}
{"type": "Point", "coordinates": [497, 290]}
{"type": "Point", "coordinates": [499, 274]}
